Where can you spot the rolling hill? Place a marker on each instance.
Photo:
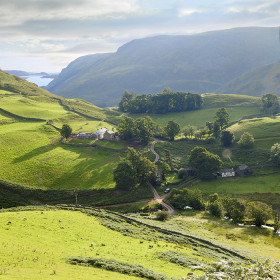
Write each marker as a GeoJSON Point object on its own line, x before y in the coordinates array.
{"type": "Point", "coordinates": [195, 63]}
{"type": "Point", "coordinates": [256, 82]}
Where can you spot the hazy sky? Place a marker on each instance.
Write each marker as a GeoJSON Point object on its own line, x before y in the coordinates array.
{"type": "Point", "coordinates": [45, 35]}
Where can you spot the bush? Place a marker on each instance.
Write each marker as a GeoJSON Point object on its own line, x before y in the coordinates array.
{"type": "Point", "coordinates": [246, 140]}
{"type": "Point", "coordinates": [215, 209]}
{"type": "Point", "coordinates": [162, 216]}
{"type": "Point", "coordinates": [227, 138]}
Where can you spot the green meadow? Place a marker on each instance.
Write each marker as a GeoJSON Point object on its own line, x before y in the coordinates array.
{"type": "Point", "coordinates": [33, 107]}
{"type": "Point", "coordinates": [260, 127]}
{"type": "Point", "coordinates": [35, 245]}
{"type": "Point", "coordinates": [30, 154]}
{"type": "Point", "coordinates": [198, 118]}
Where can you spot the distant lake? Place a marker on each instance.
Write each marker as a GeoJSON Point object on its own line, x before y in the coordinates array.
{"type": "Point", "coordinates": [38, 80]}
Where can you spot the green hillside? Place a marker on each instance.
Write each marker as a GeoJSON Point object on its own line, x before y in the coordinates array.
{"type": "Point", "coordinates": [255, 82]}
{"type": "Point", "coordinates": [198, 118]}
{"type": "Point", "coordinates": [39, 243]}
{"type": "Point", "coordinates": [197, 63]}
{"type": "Point", "coordinates": [30, 150]}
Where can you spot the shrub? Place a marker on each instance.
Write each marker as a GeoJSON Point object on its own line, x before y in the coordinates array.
{"type": "Point", "coordinates": [215, 209]}
{"type": "Point", "coordinates": [162, 215]}
{"type": "Point", "coordinates": [227, 138]}
{"type": "Point", "coordinates": [182, 173]}
{"type": "Point", "coordinates": [246, 140]}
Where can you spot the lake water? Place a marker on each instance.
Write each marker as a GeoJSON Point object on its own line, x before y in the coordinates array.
{"type": "Point", "coordinates": [38, 80]}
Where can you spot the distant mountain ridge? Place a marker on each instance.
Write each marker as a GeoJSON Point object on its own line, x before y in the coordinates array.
{"type": "Point", "coordinates": [195, 63]}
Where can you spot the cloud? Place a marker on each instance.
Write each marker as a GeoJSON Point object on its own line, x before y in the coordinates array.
{"type": "Point", "coordinates": [187, 12]}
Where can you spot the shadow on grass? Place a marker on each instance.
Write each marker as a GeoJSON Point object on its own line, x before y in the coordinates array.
{"type": "Point", "coordinates": [35, 152]}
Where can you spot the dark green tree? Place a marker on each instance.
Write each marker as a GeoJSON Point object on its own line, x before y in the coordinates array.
{"type": "Point", "coordinates": [216, 129]}
{"type": "Point", "coordinates": [260, 212]}
{"type": "Point", "coordinates": [144, 168]}
{"type": "Point", "coordinates": [205, 162]}
{"type": "Point", "coordinates": [227, 138]}
{"type": "Point", "coordinates": [270, 103]}
{"type": "Point", "coordinates": [230, 206]}
{"type": "Point", "coordinates": [172, 129]}
{"type": "Point", "coordinates": [125, 176]}
{"type": "Point", "coordinates": [66, 131]}
{"type": "Point", "coordinates": [126, 128]}
{"type": "Point", "coordinates": [275, 153]}
{"type": "Point", "coordinates": [246, 140]}
{"type": "Point", "coordinates": [215, 209]}
{"type": "Point", "coordinates": [222, 117]}
{"type": "Point", "coordinates": [144, 129]}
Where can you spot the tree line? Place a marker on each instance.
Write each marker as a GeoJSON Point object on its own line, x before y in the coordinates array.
{"type": "Point", "coordinates": [161, 103]}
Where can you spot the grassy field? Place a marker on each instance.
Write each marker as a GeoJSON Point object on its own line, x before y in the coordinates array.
{"type": "Point", "coordinates": [259, 127]}
{"type": "Point", "coordinates": [262, 184]}
{"type": "Point", "coordinates": [198, 118]}
{"type": "Point", "coordinates": [221, 100]}
{"type": "Point", "coordinates": [30, 155]}
{"type": "Point", "coordinates": [260, 243]}
{"type": "Point", "coordinates": [33, 107]}
{"type": "Point", "coordinates": [35, 245]}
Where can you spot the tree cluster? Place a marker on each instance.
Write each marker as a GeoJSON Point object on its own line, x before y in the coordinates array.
{"type": "Point", "coordinates": [270, 104]}
{"type": "Point", "coordinates": [205, 162]}
{"type": "Point", "coordinates": [144, 128]}
{"type": "Point", "coordinates": [180, 198]}
{"type": "Point", "coordinates": [165, 102]}
{"type": "Point", "coordinates": [135, 169]}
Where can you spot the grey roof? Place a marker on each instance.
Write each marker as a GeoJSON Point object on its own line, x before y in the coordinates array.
{"type": "Point", "coordinates": [242, 167]}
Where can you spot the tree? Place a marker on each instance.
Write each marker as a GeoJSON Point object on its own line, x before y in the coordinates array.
{"type": "Point", "coordinates": [144, 128]}
{"type": "Point", "coordinates": [144, 168]}
{"type": "Point", "coordinates": [234, 209]}
{"type": "Point", "coordinates": [270, 103]}
{"type": "Point", "coordinates": [246, 140]}
{"type": "Point", "coordinates": [275, 153]}
{"type": "Point", "coordinates": [216, 209]}
{"type": "Point", "coordinates": [260, 212]}
{"type": "Point", "coordinates": [125, 176]}
{"type": "Point", "coordinates": [66, 131]}
{"type": "Point", "coordinates": [205, 162]}
{"type": "Point", "coordinates": [227, 138]}
{"type": "Point", "coordinates": [172, 129]}
{"type": "Point", "coordinates": [216, 129]}
{"type": "Point", "coordinates": [126, 128]}
{"type": "Point", "coordinates": [222, 117]}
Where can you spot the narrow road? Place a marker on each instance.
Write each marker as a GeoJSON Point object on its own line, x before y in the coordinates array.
{"type": "Point", "coordinates": [157, 197]}
{"type": "Point", "coordinates": [153, 150]}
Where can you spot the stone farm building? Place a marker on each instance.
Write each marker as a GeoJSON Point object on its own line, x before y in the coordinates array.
{"type": "Point", "coordinates": [226, 173]}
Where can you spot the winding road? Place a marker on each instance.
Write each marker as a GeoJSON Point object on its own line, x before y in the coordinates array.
{"type": "Point", "coordinates": [157, 197]}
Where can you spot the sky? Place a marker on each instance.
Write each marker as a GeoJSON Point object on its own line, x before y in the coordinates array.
{"type": "Point", "coordinates": [46, 35]}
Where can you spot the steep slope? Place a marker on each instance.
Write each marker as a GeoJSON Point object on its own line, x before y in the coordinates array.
{"type": "Point", "coordinates": [256, 82]}
{"type": "Point", "coordinates": [196, 63]}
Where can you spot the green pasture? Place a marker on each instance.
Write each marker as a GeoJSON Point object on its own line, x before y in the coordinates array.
{"type": "Point", "coordinates": [5, 92]}
{"type": "Point", "coordinates": [198, 118]}
{"type": "Point", "coordinates": [91, 110]}
{"type": "Point", "coordinates": [33, 107]}
{"type": "Point", "coordinates": [223, 100]}
{"type": "Point", "coordinates": [35, 245]}
{"type": "Point", "coordinates": [259, 243]}
{"type": "Point", "coordinates": [259, 127]}
{"type": "Point", "coordinates": [262, 184]}
{"type": "Point", "coordinates": [30, 154]}
{"type": "Point", "coordinates": [266, 143]}
{"type": "Point", "coordinates": [111, 144]}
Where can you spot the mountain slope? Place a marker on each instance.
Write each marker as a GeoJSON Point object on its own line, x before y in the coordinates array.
{"type": "Point", "coordinates": [196, 63]}
{"type": "Point", "coordinates": [256, 82]}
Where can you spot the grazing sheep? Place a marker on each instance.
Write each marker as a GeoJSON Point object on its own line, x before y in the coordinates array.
{"type": "Point", "coordinates": [91, 244]}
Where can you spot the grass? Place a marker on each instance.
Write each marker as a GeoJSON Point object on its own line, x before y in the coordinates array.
{"type": "Point", "coordinates": [35, 245]}
{"type": "Point", "coordinates": [262, 184]}
{"type": "Point", "coordinates": [259, 127]}
{"type": "Point", "coordinates": [33, 107]}
{"type": "Point", "coordinates": [259, 243]}
{"type": "Point", "coordinates": [266, 143]}
{"type": "Point", "coordinates": [30, 150]}
{"type": "Point", "coordinates": [118, 145]}
{"type": "Point", "coordinates": [222, 100]}
{"type": "Point", "coordinates": [198, 118]}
